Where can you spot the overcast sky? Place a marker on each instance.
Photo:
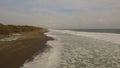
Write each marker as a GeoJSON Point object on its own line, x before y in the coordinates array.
{"type": "Point", "coordinates": [61, 13]}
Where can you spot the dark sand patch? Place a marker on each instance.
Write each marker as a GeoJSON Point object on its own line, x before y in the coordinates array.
{"type": "Point", "coordinates": [14, 53]}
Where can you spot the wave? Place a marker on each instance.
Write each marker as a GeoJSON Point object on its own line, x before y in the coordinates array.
{"type": "Point", "coordinates": [110, 37]}
{"type": "Point", "coordinates": [82, 49]}
{"type": "Point", "coordinates": [49, 58]}
{"type": "Point", "coordinates": [67, 43]}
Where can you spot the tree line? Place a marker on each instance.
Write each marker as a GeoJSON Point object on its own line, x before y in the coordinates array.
{"type": "Point", "coordinates": [9, 29]}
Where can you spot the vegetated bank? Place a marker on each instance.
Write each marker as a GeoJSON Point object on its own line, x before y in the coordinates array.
{"type": "Point", "coordinates": [9, 29]}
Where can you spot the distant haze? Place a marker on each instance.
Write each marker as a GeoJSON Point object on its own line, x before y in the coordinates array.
{"type": "Point", "coordinates": [71, 14]}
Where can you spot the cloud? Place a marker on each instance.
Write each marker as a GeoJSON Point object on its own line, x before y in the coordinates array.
{"type": "Point", "coordinates": [75, 4]}
{"type": "Point", "coordinates": [62, 13]}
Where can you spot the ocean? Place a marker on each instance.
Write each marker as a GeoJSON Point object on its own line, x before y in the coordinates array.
{"type": "Point", "coordinates": [79, 49]}
{"type": "Point", "coordinates": [98, 30]}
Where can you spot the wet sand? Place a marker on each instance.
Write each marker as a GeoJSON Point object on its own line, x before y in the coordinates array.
{"type": "Point", "coordinates": [14, 53]}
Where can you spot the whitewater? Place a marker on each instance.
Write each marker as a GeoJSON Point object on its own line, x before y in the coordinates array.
{"type": "Point", "coordinates": [76, 49]}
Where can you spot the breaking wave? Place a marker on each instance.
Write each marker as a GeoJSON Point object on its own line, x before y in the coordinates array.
{"type": "Point", "coordinates": [72, 49]}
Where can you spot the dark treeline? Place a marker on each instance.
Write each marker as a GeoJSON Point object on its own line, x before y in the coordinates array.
{"type": "Point", "coordinates": [9, 29]}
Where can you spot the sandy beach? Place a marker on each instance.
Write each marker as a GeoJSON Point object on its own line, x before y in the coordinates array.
{"type": "Point", "coordinates": [14, 53]}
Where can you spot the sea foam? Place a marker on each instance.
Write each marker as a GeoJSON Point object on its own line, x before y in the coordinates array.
{"type": "Point", "coordinates": [73, 49]}
{"type": "Point", "coordinates": [49, 58]}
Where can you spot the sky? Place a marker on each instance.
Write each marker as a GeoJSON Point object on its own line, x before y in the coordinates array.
{"type": "Point", "coordinates": [62, 14]}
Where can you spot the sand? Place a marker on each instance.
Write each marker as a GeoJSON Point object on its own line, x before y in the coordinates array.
{"type": "Point", "coordinates": [14, 53]}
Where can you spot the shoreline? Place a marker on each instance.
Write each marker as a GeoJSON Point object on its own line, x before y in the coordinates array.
{"type": "Point", "coordinates": [13, 54]}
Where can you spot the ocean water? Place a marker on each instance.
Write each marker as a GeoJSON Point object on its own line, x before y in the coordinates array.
{"type": "Point", "coordinates": [99, 30]}
{"type": "Point", "coordinates": [77, 49]}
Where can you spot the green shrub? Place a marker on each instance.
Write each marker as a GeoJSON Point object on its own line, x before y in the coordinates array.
{"type": "Point", "coordinates": [8, 29]}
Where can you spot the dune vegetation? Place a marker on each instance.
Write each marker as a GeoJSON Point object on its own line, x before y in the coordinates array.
{"type": "Point", "coordinates": [9, 29]}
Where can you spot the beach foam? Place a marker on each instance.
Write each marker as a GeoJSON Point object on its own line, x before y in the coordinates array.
{"type": "Point", "coordinates": [49, 58]}
{"type": "Point", "coordinates": [72, 49]}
